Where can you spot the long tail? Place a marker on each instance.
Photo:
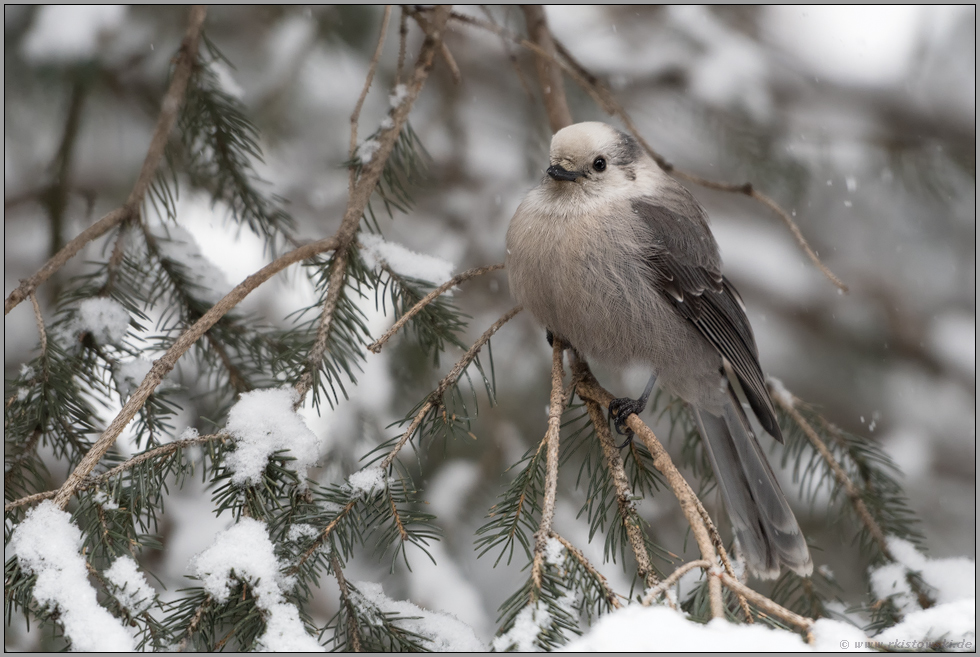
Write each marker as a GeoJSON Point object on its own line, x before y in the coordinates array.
{"type": "Point", "coordinates": [763, 523]}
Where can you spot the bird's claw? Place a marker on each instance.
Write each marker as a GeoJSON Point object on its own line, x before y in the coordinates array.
{"type": "Point", "coordinates": [619, 411]}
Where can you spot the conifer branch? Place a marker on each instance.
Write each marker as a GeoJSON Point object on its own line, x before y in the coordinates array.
{"type": "Point", "coordinates": [611, 597]}
{"type": "Point", "coordinates": [168, 116]}
{"type": "Point", "coordinates": [355, 116]}
{"type": "Point", "coordinates": [167, 362]}
{"type": "Point", "coordinates": [40, 327]}
{"type": "Point", "coordinates": [361, 193]}
{"type": "Point", "coordinates": [762, 602]}
{"type": "Point", "coordinates": [624, 494]}
{"type": "Point", "coordinates": [435, 398]}
{"type": "Point", "coordinates": [845, 481]}
{"type": "Point", "coordinates": [352, 629]}
{"type": "Point", "coordinates": [656, 591]}
{"type": "Point", "coordinates": [589, 388]}
{"type": "Point", "coordinates": [429, 298]}
{"type": "Point", "coordinates": [555, 409]}
{"type": "Point", "coordinates": [149, 455]}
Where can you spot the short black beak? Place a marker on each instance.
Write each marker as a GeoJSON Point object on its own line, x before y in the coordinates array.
{"type": "Point", "coordinates": [558, 173]}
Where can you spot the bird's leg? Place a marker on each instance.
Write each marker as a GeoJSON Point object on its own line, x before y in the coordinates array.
{"type": "Point", "coordinates": [620, 409]}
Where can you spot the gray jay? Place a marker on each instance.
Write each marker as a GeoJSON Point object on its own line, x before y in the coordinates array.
{"type": "Point", "coordinates": [616, 258]}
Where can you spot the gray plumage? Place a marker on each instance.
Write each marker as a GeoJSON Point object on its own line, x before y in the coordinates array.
{"type": "Point", "coordinates": [616, 258]}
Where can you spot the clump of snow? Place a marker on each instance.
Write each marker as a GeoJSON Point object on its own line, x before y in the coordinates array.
{"type": "Point", "coordinates": [636, 628]}
{"type": "Point", "coordinates": [103, 500]}
{"type": "Point", "coordinates": [398, 95]}
{"type": "Point", "coordinates": [301, 530]}
{"type": "Point", "coordinates": [554, 552]}
{"type": "Point", "coordinates": [952, 625]}
{"type": "Point", "coordinates": [244, 552]}
{"type": "Point", "coordinates": [104, 318]}
{"type": "Point", "coordinates": [178, 245]}
{"type": "Point", "coordinates": [63, 33]}
{"type": "Point", "coordinates": [780, 392]}
{"type": "Point", "coordinates": [387, 123]}
{"type": "Point", "coordinates": [130, 375]}
{"type": "Point", "coordinates": [531, 621]}
{"type": "Point", "coordinates": [441, 632]}
{"type": "Point", "coordinates": [132, 590]}
{"type": "Point", "coordinates": [263, 422]}
{"type": "Point", "coordinates": [835, 636]}
{"type": "Point", "coordinates": [366, 151]}
{"type": "Point", "coordinates": [404, 262]}
{"type": "Point", "coordinates": [365, 482]}
{"type": "Point", "coordinates": [952, 585]}
{"type": "Point", "coordinates": [47, 545]}
{"type": "Point", "coordinates": [952, 580]}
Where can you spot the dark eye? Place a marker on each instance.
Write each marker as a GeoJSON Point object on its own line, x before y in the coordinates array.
{"type": "Point", "coordinates": [599, 164]}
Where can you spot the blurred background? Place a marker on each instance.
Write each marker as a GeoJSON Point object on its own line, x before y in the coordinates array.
{"type": "Point", "coordinates": [859, 121]}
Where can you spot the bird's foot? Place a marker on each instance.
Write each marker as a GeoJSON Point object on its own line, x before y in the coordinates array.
{"type": "Point", "coordinates": [620, 410]}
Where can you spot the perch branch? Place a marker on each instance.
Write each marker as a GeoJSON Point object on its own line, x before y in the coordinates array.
{"type": "Point", "coordinates": [672, 579]}
{"type": "Point", "coordinates": [589, 388]}
{"type": "Point", "coordinates": [555, 409]}
{"type": "Point", "coordinates": [624, 494]}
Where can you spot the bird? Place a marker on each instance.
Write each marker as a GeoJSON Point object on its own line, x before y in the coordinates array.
{"type": "Point", "coordinates": [616, 258]}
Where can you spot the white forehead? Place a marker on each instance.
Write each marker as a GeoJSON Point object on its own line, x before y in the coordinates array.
{"type": "Point", "coordinates": [583, 138]}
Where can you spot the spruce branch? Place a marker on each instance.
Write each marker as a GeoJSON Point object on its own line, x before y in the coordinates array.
{"type": "Point", "coordinates": [555, 409]}
{"type": "Point", "coordinates": [435, 398]}
{"type": "Point", "coordinates": [167, 362]}
{"type": "Point", "coordinates": [611, 597]}
{"type": "Point", "coordinates": [355, 116]}
{"type": "Point", "coordinates": [624, 495]}
{"type": "Point", "coordinates": [377, 345]}
{"type": "Point", "coordinates": [168, 116]}
{"type": "Point", "coordinates": [662, 587]}
{"type": "Point", "coordinates": [589, 388]}
{"type": "Point", "coordinates": [353, 631]}
{"type": "Point", "coordinates": [762, 602]}
{"type": "Point", "coordinates": [364, 187]}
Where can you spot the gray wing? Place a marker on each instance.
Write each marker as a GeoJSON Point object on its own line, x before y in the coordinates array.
{"type": "Point", "coordinates": [684, 259]}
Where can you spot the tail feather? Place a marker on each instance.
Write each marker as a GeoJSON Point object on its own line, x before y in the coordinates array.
{"type": "Point", "coordinates": [761, 517]}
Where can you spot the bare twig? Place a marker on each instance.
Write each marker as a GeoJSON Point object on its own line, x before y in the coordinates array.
{"type": "Point", "coordinates": [427, 299]}
{"type": "Point", "coordinates": [510, 56]}
{"type": "Point", "coordinates": [723, 555]}
{"type": "Point", "coordinates": [589, 388]}
{"type": "Point", "coordinates": [610, 595]}
{"type": "Point", "coordinates": [555, 409]}
{"type": "Point", "coordinates": [624, 495]}
{"type": "Point", "coordinates": [352, 629]}
{"type": "Point", "coordinates": [362, 191]}
{"type": "Point", "coordinates": [762, 602]}
{"type": "Point", "coordinates": [168, 115]}
{"type": "Point", "coordinates": [672, 579]}
{"type": "Point", "coordinates": [549, 72]}
{"type": "Point", "coordinates": [167, 362]}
